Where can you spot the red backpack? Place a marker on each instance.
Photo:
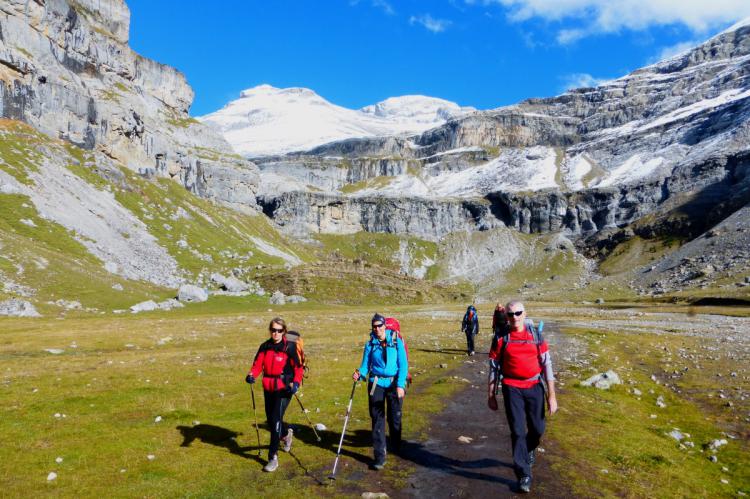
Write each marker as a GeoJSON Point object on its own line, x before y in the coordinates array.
{"type": "Point", "coordinates": [393, 324]}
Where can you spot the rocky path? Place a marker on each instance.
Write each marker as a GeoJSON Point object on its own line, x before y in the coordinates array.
{"type": "Point", "coordinates": [445, 467]}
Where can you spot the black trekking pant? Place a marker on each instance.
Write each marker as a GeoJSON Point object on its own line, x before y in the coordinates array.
{"type": "Point", "coordinates": [524, 408]}
{"type": "Point", "coordinates": [276, 404]}
{"type": "Point", "coordinates": [385, 404]}
{"type": "Point", "coordinates": [470, 341]}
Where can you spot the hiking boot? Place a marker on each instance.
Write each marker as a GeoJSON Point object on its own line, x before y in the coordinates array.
{"type": "Point", "coordinates": [532, 457]}
{"type": "Point", "coordinates": [379, 464]}
{"type": "Point", "coordinates": [272, 464]}
{"type": "Point", "coordinates": [287, 440]}
{"type": "Point", "coordinates": [524, 484]}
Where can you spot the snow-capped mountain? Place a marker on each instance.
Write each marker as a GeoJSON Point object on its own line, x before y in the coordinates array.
{"type": "Point", "coordinates": [266, 120]}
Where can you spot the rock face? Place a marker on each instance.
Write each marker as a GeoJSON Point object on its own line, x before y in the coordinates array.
{"type": "Point", "coordinates": [18, 308]}
{"type": "Point", "coordinates": [67, 70]}
{"type": "Point", "coordinates": [589, 160]}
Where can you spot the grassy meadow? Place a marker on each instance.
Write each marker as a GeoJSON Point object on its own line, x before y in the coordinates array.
{"type": "Point", "coordinates": [95, 405]}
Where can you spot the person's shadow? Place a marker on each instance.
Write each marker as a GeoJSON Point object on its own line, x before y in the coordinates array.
{"type": "Point", "coordinates": [220, 437]}
{"type": "Point", "coordinates": [424, 457]}
{"type": "Point", "coordinates": [223, 437]}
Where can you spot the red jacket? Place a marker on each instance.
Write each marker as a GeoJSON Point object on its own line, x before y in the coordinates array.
{"type": "Point", "coordinates": [279, 364]}
{"type": "Point", "coordinates": [521, 361]}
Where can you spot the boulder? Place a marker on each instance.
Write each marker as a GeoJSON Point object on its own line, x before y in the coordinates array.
{"type": "Point", "coordinates": [277, 298]}
{"type": "Point", "coordinates": [295, 299]}
{"type": "Point", "coordinates": [231, 284]}
{"type": "Point", "coordinates": [603, 380]}
{"type": "Point", "coordinates": [18, 308]}
{"type": "Point", "coordinates": [191, 293]}
{"type": "Point", "coordinates": [144, 306]}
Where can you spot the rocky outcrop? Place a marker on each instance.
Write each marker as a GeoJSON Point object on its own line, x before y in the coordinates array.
{"type": "Point", "coordinates": [304, 213]}
{"type": "Point", "coordinates": [66, 69]}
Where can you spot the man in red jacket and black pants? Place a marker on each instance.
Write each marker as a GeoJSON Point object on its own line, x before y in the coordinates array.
{"type": "Point", "coordinates": [524, 363]}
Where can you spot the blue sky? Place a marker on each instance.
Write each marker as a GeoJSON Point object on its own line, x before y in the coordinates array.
{"type": "Point", "coordinates": [481, 53]}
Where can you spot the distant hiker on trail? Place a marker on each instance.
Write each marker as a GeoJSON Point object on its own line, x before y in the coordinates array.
{"type": "Point", "coordinates": [520, 359]}
{"type": "Point", "coordinates": [277, 359]}
{"type": "Point", "coordinates": [500, 324]}
{"type": "Point", "coordinates": [470, 326]}
{"type": "Point", "coordinates": [384, 358]}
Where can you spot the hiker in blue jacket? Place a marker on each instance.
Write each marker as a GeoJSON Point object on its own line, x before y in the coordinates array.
{"type": "Point", "coordinates": [470, 326]}
{"type": "Point", "coordinates": [384, 367]}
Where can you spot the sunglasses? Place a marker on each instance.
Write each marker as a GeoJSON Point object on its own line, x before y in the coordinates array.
{"type": "Point", "coordinates": [517, 313]}
{"type": "Point", "coordinates": [276, 330]}
{"type": "Point", "coordinates": [375, 326]}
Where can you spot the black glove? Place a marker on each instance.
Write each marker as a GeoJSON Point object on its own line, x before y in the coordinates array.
{"type": "Point", "coordinates": [294, 388]}
{"type": "Point", "coordinates": [250, 379]}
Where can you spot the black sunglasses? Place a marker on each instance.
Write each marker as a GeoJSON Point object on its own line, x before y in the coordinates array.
{"type": "Point", "coordinates": [276, 330]}
{"type": "Point", "coordinates": [375, 326]}
{"type": "Point", "coordinates": [517, 313]}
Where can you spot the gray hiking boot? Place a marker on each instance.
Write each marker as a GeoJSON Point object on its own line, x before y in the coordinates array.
{"type": "Point", "coordinates": [287, 440]}
{"type": "Point", "coordinates": [524, 484]}
{"type": "Point", "coordinates": [272, 464]}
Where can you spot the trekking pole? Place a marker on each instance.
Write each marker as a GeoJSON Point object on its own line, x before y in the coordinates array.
{"type": "Point", "coordinates": [308, 417]}
{"type": "Point", "coordinates": [332, 476]}
{"type": "Point", "coordinates": [255, 417]}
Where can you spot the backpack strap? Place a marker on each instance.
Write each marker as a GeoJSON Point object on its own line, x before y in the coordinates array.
{"type": "Point", "coordinates": [535, 334]}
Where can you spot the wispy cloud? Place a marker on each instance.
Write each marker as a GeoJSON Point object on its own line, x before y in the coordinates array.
{"type": "Point", "coordinates": [581, 80]}
{"type": "Point", "coordinates": [673, 50]}
{"type": "Point", "coordinates": [380, 4]}
{"type": "Point", "coordinates": [608, 16]}
{"type": "Point", "coordinates": [430, 23]}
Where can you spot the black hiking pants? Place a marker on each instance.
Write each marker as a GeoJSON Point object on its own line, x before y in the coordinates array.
{"type": "Point", "coordinates": [385, 404]}
{"type": "Point", "coordinates": [470, 341]}
{"type": "Point", "coordinates": [524, 408]}
{"type": "Point", "coordinates": [276, 404]}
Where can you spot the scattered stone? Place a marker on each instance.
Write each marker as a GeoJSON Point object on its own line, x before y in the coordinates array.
{"type": "Point", "coordinates": [465, 440]}
{"type": "Point", "coordinates": [182, 244]}
{"type": "Point", "coordinates": [714, 445]}
{"type": "Point", "coordinates": [18, 308]}
{"type": "Point", "coordinates": [164, 341]}
{"type": "Point", "coordinates": [603, 381]}
{"type": "Point", "coordinates": [443, 366]}
{"type": "Point", "coordinates": [54, 351]}
{"type": "Point", "coordinates": [192, 293]}
{"type": "Point", "coordinates": [374, 495]}
{"type": "Point", "coordinates": [295, 299]}
{"type": "Point", "coordinates": [724, 481]}
{"type": "Point", "coordinates": [660, 402]}
{"type": "Point", "coordinates": [277, 298]}
{"type": "Point", "coordinates": [117, 286]}
{"type": "Point", "coordinates": [231, 284]}
{"type": "Point", "coordinates": [58, 460]}
{"type": "Point", "coordinates": [677, 435]}
{"type": "Point", "coordinates": [144, 306]}
{"type": "Point", "coordinates": [150, 457]}
{"type": "Point", "coordinates": [320, 427]}
{"type": "Point", "coordinates": [600, 301]}
{"type": "Point", "coordinates": [157, 419]}
{"type": "Point", "coordinates": [169, 304]}
{"type": "Point", "coordinates": [52, 476]}
{"type": "Point", "coordinates": [637, 392]}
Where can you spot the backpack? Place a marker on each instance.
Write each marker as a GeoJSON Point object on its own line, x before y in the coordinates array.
{"type": "Point", "coordinates": [294, 339]}
{"type": "Point", "coordinates": [536, 333]}
{"type": "Point", "coordinates": [395, 328]}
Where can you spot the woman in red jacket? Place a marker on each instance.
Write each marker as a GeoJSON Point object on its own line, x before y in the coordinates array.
{"type": "Point", "coordinates": [282, 372]}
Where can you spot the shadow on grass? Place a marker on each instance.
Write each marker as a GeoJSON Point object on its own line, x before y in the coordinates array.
{"type": "Point", "coordinates": [449, 351]}
{"type": "Point", "coordinates": [223, 437]}
{"type": "Point", "coordinates": [220, 437]}
{"type": "Point", "coordinates": [426, 458]}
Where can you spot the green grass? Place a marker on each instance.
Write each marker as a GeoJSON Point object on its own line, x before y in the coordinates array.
{"type": "Point", "coordinates": [180, 122]}
{"type": "Point", "coordinates": [18, 149]}
{"type": "Point", "coordinates": [613, 430]}
{"type": "Point", "coordinates": [119, 379]}
{"type": "Point", "coordinates": [376, 248]}
{"type": "Point", "coordinates": [634, 253]}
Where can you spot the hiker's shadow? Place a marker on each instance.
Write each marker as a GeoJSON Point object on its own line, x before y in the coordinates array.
{"type": "Point", "coordinates": [330, 440]}
{"type": "Point", "coordinates": [422, 456]}
{"type": "Point", "coordinates": [220, 437]}
{"type": "Point", "coordinates": [448, 351]}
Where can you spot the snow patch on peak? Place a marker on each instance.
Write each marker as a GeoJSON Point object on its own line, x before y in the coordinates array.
{"type": "Point", "coordinates": [266, 120]}
{"type": "Point", "coordinates": [736, 26]}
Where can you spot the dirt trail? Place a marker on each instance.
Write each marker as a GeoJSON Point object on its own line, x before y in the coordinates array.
{"type": "Point", "coordinates": [444, 467]}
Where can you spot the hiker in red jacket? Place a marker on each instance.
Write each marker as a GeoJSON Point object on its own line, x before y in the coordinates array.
{"type": "Point", "coordinates": [520, 359]}
{"type": "Point", "coordinates": [282, 370]}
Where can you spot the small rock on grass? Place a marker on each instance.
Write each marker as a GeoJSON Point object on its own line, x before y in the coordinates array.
{"type": "Point", "coordinates": [465, 440]}
{"type": "Point", "coordinates": [374, 495]}
{"type": "Point", "coordinates": [320, 427]}
{"type": "Point", "coordinates": [150, 457]}
{"type": "Point", "coordinates": [52, 476]}
{"type": "Point", "coordinates": [59, 460]}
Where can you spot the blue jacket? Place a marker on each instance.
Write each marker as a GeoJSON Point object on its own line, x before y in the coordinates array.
{"type": "Point", "coordinates": [389, 368]}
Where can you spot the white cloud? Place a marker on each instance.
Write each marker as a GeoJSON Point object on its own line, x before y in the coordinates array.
{"type": "Point", "coordinates": [581, 80]}
{"type": "Point", "coordinates": [387, 8]}
{"type": "Point", "coordinates": [567, 36]}
{"type": "Point", "coordinates": [673, 50]}
{"type": "Point", "coordinates": [606, 16]}
{"type": "Point", "coordinates": [430, 23]}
